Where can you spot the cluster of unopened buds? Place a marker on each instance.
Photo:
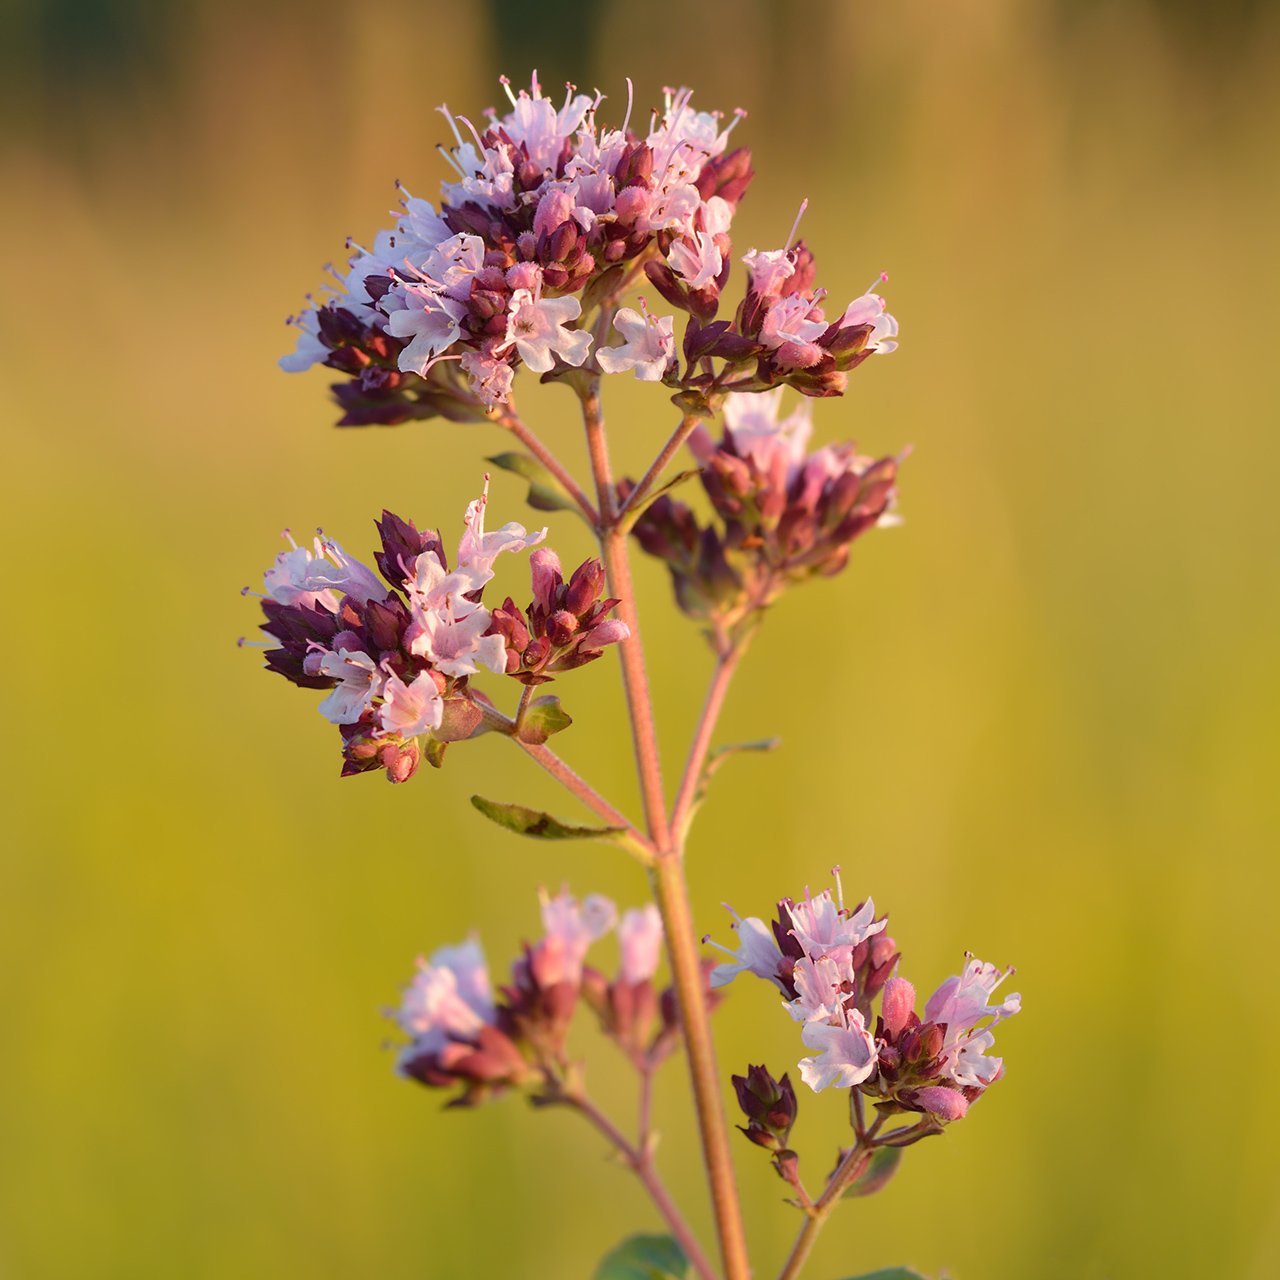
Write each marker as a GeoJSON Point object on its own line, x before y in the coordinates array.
{"type": "Point", "coordinates": [553, 216]}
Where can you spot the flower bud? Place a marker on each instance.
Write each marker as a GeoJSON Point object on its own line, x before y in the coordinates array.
{"type": "Point", "coordinates": [611, 631]}
{"type": "Point", "coordinates": [898, 1005]}
{"type": "Point", "coordinates": [562, 626]}
{"type": "Point", "coordinates": [584, 586]}
{"type": "Point", "coordinates": [631, 203]}
{"type": "Point", "coordinates": [946, 1104]}
{"type": "Point", "coordinates": [545, 565]}
{"type": "Point", "coordinates": [768, 1104]}
{"type": "Point", "coordinates": [555, 208]}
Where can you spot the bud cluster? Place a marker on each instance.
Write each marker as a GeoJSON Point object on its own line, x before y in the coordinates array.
{"type": "Point", "coordinates": [461, 1035]}
{"type": "Point", "coordinates": [784, 514]}
{"type": "Point", "coordinates": [831, 964]}
{"type": "Point", "coordinates": [397, 652]}
{"type": "Point", "coordinates": [565, 626]}
{"type": "Point", "coordinates": [769, 1105]}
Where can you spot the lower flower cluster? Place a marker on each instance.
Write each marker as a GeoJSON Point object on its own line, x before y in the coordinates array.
{"type": "Point", "coordinates": [831, 964]}
{"type": "Point", "coordinates": [397, 652]}
{"type": "Point", "coordinates": [462, 1035]}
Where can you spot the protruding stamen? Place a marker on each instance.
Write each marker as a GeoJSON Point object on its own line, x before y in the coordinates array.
{"type": "Point", "coordinates": [444, 151]}
{"type": "Point", "coordinates": [795, 226]}
{"type": "Point", "coordinates": [242, 643]}
{"type": "Point", "coordinates": [249, 591]}
{"type": "Point", "coordinates": [882, 278]}
{"type": "Point", "coordinates": [534, 87]}
{"type": "Point", "coordinates": [631, 93]}
{"type": "Point", "coordinates": [287, 535]}
{"type": "Point", "coordinates": [506, 84]}
{"type": "Point", "coordinates": [474, 134]}
{"type": "Point", "coordinates": [443, 109]}
{"type": "Point", "coordinates": [835, 871]}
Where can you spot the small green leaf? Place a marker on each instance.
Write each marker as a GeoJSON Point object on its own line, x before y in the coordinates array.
{"type": "Point", "coordinates": [542, 718]}
{"type": "Point", "coordinates": [694, 402]}
{"type": "Point", "coordinates": [644, 1258]}
{"type": "Point", "coordinates": [880, 1168]}
{"type": "Point", "coordinates": [541, 498]}
{"type": "Point", "coordinates": [649, 499]}
{"type": "Point", "coordinates": [435, 753]}
{"type": "Point", "coordinates": [891, 1273]}
{"type": "Point", "coordinates": [539, 825]}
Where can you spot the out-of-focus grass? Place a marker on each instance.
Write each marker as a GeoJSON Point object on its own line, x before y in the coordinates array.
{"type": "Point", "coordinates": [1039, 721]}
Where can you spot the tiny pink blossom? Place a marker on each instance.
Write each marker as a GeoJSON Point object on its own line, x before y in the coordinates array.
{"type": "Point", "coordinates": [452, 265]}
{"type": "Point", "coordinates": [610, 631]}
{"type": "Point", "coordinates": [544, 565]}
{"type": "Point", "coordinates": [696, 259]}
{"type": "Point", "coordinates": [555, 207]}
{"type": "Point", "coordinates": [640, 939]}
{"type": "Point", "coordinates": [570, 929]}
{"type": "Point", "coordinates": [410, 709]}
{"type": "Point", "coordinates": [491, 378]}
{"type": "Point", "coordinates": [792, 319]}
{"type": "Point", "coordinates": [359, 683]}
{"type": "Point", "coordinates": [822, 928]}
{"type": "Point", "coordinates": [287, 580]}
{"type": "Point", "coordinates": [817, 984]}
{"type": "Point", "coordinates": [869, 309]}
{"type": "Point", "coordinates": [751, 419]}
{"type": "Point", "coordinates": [478, 550]}
{"type": "Point", "coordinates": [649, 349]}
{"type": "Point", "coordinates": [430, 320]}
{"type": "Point", "coordinates": [848, 1053]}
{"type": "Point", "coordinates": [770, 270]}
{"type": "Point", "coordinates": [449, 998]}
{"type": "Point", "coordinates": [536, 328]}
{"type": "Point", "coordinates": [757, 953]}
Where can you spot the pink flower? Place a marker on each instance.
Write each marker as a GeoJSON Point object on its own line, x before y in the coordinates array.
{"type": "Point", "coordinates": [823, 929]}
{"type": "Point", "coordinates": [478, 550]}
{"type": "Point", "coordinates": [570, 929]}
{"type": "Point", "coordinates": [751, 420]}
{"type": "Point", "coordinates": [649, 349]}
{"type": "Point", "coordinates": [696, 259]}
{"type": "Point", "coordinates": [848, 1053]}
{"type": "Point", "coordinates": [897, 1004]}
{"type": "Point", "coordinates": [359, 683]}
{"type": "Point", "coordinates": [945, 1104]}
{"type": "Point", "coordinates": [452, 638]}
{"type": "Point", "coordinates": [430, 319]}
{"type": "Point", "coordinates": [410, 709]}
{"type": "Point", "coordinates": [793, 319]}
{"type": "Point", "coordinates": [536, 328]}
{"type": "Point", "coordinates": [490, 378]}
{"type": "Point", "coordinates": [452, 265]}
{"type": "Point", "coordinates": [961, 1002]}
{"type": "Point", "coordinates": [817, 983]}
{"type": "Point", "coordinates": [640, 938]}
{"type": "Point", "coordinates": [869, 309]}
{"type": "Point", "coordinates": [757, 953]}
{"type": "Point", "coordinates": [298, 577]}
{"type": "Point", "coordinates": [449, 999]}
{"type": "Point", "coordinates": [770, 270]}
{"type": "Point", "coordinates": [536, 122]}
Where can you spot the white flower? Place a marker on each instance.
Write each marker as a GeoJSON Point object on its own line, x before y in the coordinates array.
{"type": "Point", "coordinates": [287, 579]}
{"type": "Point", "coordinates": [536, 327]}
{"type": "Point", "coordinates": [452, 638]}
{"type": "Point", "coordinates": [649, 349]}
{"type": "Point", "coordinates": [823, 929]}
{"type": "Point", "coordinates": [962, 1002]}
{"type": "Point", "coordinates": [310, 350]}
{"type": "Point", "coordinates": [751, 419]}
{"type": "Point", "coordinates": [792, 319]}
{"type": "Point", "coordinates": [478, 550]}
{"type": "Point", "coordinates": [452, 265]}
{"type": "Point", "coordinates": [410, 709]}
{"type": "Point", "coordinates": [848, 1053]}
{"type": "Point", "coordinates": [449, 998]}
{"type": "Point", "coordinates": [535, 122]}
{"type": "Point", "coordinates": [717, 214]}
{"type": "Point", "coordinates": [757, 953]}
{"type": "Point", "coordinates": [696, 259]}
{"type": "Point", "coordinates": [770, 270]}
{"type": "Point", "coordinates": [359, 683]}
{"type": "Point", "coordinates": [339, 572]}
{"type": "Point", "coordinates": [640, 941]}
{"type": "Point", "coordinates": [817, 984]}
{"type": "Point", "coordinates": [431, 320]}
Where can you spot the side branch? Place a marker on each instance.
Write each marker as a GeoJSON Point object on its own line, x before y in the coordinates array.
{"type": "Point", "coordinates": [641, 1161]}
{"type": "Point", "coordinates": [678, 437]}
{"type": "Point", "coordinates": [512, 423]}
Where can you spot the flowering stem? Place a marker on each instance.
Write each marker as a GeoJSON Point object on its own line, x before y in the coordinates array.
{"type": "Point", "coordinates": [640, 1159]}
{"type": "Point", "coordinates": [553, 464]}
{"type": "Point", "coordinates": [726, 665]}
{"type": "Point", "coordinates": [678, 437]}
{"type": "Point", "coordinates": [846, 1173]}
{"type": "Point", "coordinates": [667, 870]}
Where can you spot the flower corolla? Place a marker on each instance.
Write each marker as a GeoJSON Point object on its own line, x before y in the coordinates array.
{"type": "Point", "coordinates": [570, 929]}
{"type": "Point", "coordinates": [649, 348]}
{"type": "Point", "coordinates": [640, 941]}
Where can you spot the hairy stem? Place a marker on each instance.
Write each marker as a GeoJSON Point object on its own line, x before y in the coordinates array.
{"type": "Point", "coordinates": [678, 437]}
{"type": "Point", "coordinates": [667, 870]}
{"type": "Point", "coordinates": [640, 1160]}
{"type": "Point", "coordinates": [553, 464]}
{"type": "Point", "coordinates": [726, 666]}
{"type": "Point", "coordinates": [846, 1173]}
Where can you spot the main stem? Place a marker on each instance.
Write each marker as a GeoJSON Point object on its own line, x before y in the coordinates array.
{"type": "Point", "coordinates": [670, 889]}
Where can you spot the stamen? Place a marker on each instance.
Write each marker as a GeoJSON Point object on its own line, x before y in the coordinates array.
{"type": "Point", "coordinates": [457, 168]}
{"type": "Point", "coordinates": [506, 84]}
{"type": "Point", "coordinates": [474, 134]}
{"type": "Point", "coordinates": [534, 87]}
{"type": "Point", "coordinates": [835, 871]}
{"type": "Point", "coordinates": [795, 226]}
{"type": "Point", "coordinates": [443, 109]}
{"type": "Point", "coordinates": [568, 95]}
{"type": "Point", "coordinates": [288, 535]}
{"type": "Point", "coordinates": [248, 591]}
{"type": "Point", "coordinates": [882, 278]}
{"type": "Point", "coordinates": [626, 120]}
{"type": "Point", "coordinates": [242, 643]}
{"type": "Point", "coordinates": [719, 946]}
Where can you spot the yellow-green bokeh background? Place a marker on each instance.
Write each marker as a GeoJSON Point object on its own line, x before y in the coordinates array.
{"type": "Point", "coordinates": [1039, 721]}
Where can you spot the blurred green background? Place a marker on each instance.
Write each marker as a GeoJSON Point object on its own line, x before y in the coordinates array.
{"type": "Point", "coordinates": [1040, 721]}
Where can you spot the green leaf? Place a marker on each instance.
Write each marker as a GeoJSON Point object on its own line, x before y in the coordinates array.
{"type": "Point", "coordinates": [539, 825]}
{"type": "Point", "coordinates": [542, 718]}
{"type": "Point", "coordinates": [880, 1168]}
{"type": "Point", "coordinates": [545, 492]}
{"type": "Point", "coordinates": [891, 1273]}
{"type": "Point", "coordinates": [644, 1258]}
{"type": "Point", "coordinates": [636, 512]}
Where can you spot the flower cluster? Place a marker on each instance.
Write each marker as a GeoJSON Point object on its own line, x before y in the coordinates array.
{"type": "Point", "coordinates": [460, 1034]}
{"type": "Point", "coordinates": [553, 215]}
{"type": "Point", "coordinates": [831, 964]}
{"type": "Point", "coordinates": [397, 652]}
{"type": "Point", "coordinates": [785, 514]}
